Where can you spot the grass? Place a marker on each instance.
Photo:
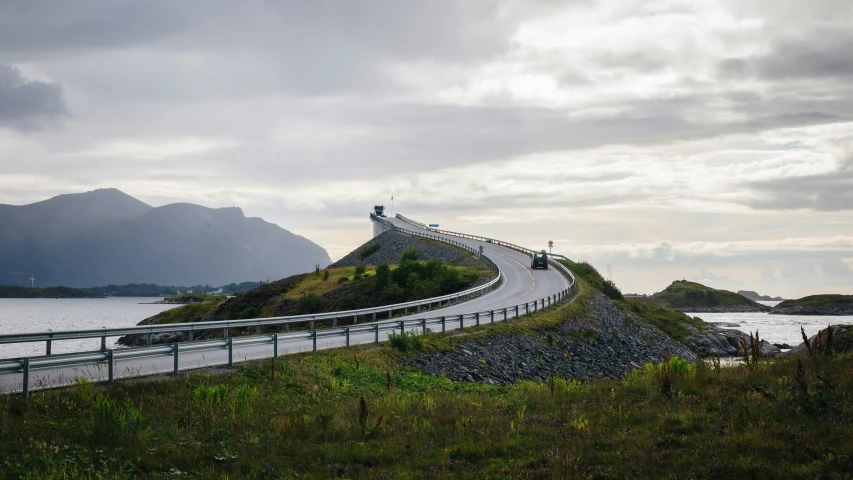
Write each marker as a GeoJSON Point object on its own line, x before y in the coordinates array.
{"type": "Point", "coordinates": [356, 414]}
{"type": "Point", "coordinates": [594, 278]}
{"type": "Point", "coordinates": [192, 312]}
{"type": "Point", "coordinates": [317, 285]}
{"type": "Point", "coordinates": [686, 294]}
{"type": "Point", "coordinates": [818, 300]}
{"type": "Point", "coordinates": [669, 321]}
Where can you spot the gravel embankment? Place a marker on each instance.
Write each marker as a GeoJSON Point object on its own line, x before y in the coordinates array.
{"type": "Point", "coordinates": [609, 349]}
{"type": "Point", "coordinates": [391, 246]}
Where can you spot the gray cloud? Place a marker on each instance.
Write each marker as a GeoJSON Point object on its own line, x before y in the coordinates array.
{"type": "Point", "coordinates": [27, 104]}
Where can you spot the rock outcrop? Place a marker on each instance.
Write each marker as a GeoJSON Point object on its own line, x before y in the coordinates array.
{"type": "Point", "coordinates": [725, 342]}
{"type": "Point", "coordinates": [392, 244]}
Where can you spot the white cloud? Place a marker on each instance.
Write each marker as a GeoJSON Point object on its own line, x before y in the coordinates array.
{"type": "Point", "coordinates": [156, 149]}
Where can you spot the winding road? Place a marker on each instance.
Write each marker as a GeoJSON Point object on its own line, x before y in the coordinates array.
{"type": "Point", "coordinates": [520, 284]}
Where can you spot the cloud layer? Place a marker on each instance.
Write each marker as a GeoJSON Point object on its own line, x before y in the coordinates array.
{"type": "Point", "coordinates": [636, 133]}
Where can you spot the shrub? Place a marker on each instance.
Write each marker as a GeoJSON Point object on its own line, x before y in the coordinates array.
{"type": "Point", "coordinates": [343, 280]}
{"type": "Point", "coordinates": [360, 271]}
{"type": "Point", "coordinates": [383, 276]}
{"type": "Point", "coordinates": [309, 303]}
{"type": "Point", "coordinates": [611, 290]}
{"type": "Point", "coordinates": [368, 250]}
{"type": "Point", "coordinates": [409, 254]}
{"type": "Point", "coordinates": [249, 312]}
{"type": "Point", "coordinates": [406, 341]}
{"type": "Point", "coordinates": [325, 275]}
{"type": "Point", "coordinates": [394, 292]}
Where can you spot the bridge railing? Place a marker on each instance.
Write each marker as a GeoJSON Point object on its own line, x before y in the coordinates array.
{"type": "Point", "coordinates": [194, 328]}
{"type": "Point", "coordinates": [108, 357]}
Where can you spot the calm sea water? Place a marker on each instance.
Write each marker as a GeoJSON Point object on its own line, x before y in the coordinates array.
{"type": "Point", "coordinates": [40, 314]}
{"type": "Point", "coordinates": [776, 328]}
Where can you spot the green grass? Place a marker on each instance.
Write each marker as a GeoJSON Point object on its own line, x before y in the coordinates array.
{"type": "Point", "coordinates": [594, 278]}
{"type": "Point", "coordinates": [669, 321]}
{"type": "Point", "coordinates": [192, 312]}
{"type": "Point", "coordinates": [818, 300]}
{"type": "Point", "coordinates": [686, 294]}
{"type": "Point", "coordinates": [305, 421]}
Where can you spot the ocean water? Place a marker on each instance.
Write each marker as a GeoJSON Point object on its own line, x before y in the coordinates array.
{"type": "Point", "coordinates": [40, 314]}
{"type": "Point", "coordinates": [776, 328]}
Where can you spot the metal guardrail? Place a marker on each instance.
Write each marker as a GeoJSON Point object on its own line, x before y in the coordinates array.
{"type": "Point", "coordinates": [109, 356]}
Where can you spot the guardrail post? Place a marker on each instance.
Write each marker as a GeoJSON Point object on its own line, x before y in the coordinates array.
{"type": "Point", "coordinates": [505, 318]}
{"type": "Point", "coordinates": [423, 326]}
{"type": "Point", "coordinates": [477, 317]}
{"type": "Point", "coordinates": [402, 327]}
{"type": "Point", "coordinates": [148, 339]}
{"type": "Point", "coordinates": [191, 334]}
{"type": "Point", "coordinates": [419, 309]}
{"type": "Point", "coordinates": [347, 336]}
{"type": "Point", "coordinates": [491, 316]}
{"type": "Point", "coordinates": [442, 325]}
{"type": "Point", "coordinates": [26, 386]}
{"type": "Point", "coordinates": [258, 330]}
{"type": "Point", "coordinates": [226, 333]}
{"type": "Point", "coordinates": [311, 325]}
{"type": "Point", "coordinates": [104, 341]}
{"type": "Point", "coordinates": [110, 367]}
{"type": "Point", "coordinates": [230, 352]}
{"type": "Point", "coordinates": [516, 311]}
{"type": "Point", "coordinates": [314, 340]}
{"type": "Point", "coordinates": [49, 342]}
{"type": "Point", "coordinates": [175, 354]}
{"type": "Point", "coordinates": [376, 332]}
{"type": "Point", "coordinates": [461, 320]}
{"type": "Point", "coordinates": [274, 345]}
{"type": "Point", "coordinates": [374, 316]}
{"type": "Point", "coordinates": [355, 319]}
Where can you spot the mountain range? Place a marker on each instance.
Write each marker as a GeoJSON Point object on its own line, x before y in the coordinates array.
{"type": "Point", "coordinates": [107, 237]}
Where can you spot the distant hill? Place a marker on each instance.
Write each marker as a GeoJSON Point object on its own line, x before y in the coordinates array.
{"type": "Point", "coordinates": [50, 292]}
{"type": "Point", "coordinates": [108, 237]}
{"type": "Point", "coordinates": [830, 304]}
{"type": "Point", "coordinates": [756, 296]}
{"type": "Point", "coordinates": [695, 297]}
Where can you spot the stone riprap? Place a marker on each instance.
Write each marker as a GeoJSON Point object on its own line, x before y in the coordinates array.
{"type": "Point", "coordinates": [826, 310]}
{"type": "Point", "coordinates": [725, 342]}
{"type": "Point", "coordinates": [608, 349]}
{"type": "Point", "coordinates": [392, 244]}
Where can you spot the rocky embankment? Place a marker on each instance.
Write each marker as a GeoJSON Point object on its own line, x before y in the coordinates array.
{"type": "Point", "coordinates": [725, 342]}
{"type": "Point", "coordinates": [842, 341]}
{"type": "Point", "coordinates": [725, 309]}
{"type": "Point", "coordinates": [572, 350]}
{"type": "Point", "coordinates": [392, 244]}
{"type": "Point", "coordinates": [692, 297]}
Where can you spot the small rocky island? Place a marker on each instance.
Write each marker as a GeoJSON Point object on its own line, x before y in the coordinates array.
{"type": "Point", "coordinates": [7, 291]}
{"type": "Point", "coordinates": [689, 296]}
{"type": "Point", "coordinates": [816, 305]}
{"type": "Point", "coordinates": [758, 297]}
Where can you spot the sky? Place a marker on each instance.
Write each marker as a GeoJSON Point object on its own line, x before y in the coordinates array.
{"type": "Point", "coordinates": [658, 140]}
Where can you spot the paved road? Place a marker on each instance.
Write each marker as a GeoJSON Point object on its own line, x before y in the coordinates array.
{"type": "Point", "coordinates": [520, 285]}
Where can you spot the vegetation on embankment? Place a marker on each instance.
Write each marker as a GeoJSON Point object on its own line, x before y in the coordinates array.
{"type": "Point", "coordinates": [7, 291]}
{"type": "Point", "coordinates": [336, 289]}
{"type": "Point", "coordinates": [694, 297]}
{"type": "Point", "coordinates": [594, 278]}
{"type": "Point", "coordinates": [357, 414]}
{"type": "Point", "coordinates": [829, 304]}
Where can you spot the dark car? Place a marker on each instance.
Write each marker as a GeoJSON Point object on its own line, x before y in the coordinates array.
{"type": "Point", "coordinates": [539, 260]}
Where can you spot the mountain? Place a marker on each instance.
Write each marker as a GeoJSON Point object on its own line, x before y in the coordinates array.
{"type": "Point", "coordinates": [107, 237]}
{"type": "Point", "coordinates": [695, 297]}
{"type": "Point", "coordinates": [756, 296]}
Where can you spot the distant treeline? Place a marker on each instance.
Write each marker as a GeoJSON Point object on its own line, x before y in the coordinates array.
{"type": "Point", "coordinates": [152, 290]}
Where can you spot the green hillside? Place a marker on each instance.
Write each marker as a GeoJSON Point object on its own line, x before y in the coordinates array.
{"type": "Point", "coordinates": [7, 291]}
{"type": "Point", "coordinates": [819, 301]}
{"type": "Point", "coordinates": [684, 294]}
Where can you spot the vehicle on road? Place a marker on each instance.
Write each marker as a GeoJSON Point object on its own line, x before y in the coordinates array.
{"type": "Point", "coordinates": [379, 210]}
{"type": "Point", "coordinates": [539, 260]}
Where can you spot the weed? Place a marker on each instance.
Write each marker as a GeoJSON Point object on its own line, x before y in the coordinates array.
{"type": "Point", "coordinates": [406, 341]}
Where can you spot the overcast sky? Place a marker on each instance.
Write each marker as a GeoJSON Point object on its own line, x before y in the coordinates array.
{"type": "Point", "coordinates": [706, 140]}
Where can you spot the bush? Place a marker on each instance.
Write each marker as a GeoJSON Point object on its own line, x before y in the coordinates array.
{"type": "Point", "coordinates": [309, 303]}
{"type": "Point", "coordinates": [325, 275]}
{"type": "Point", "coordinates": [368, 250]}
{"type": "Point", "coordinates": [343, 280]}
{"type": "Point", "coordinates": [611, 290]}
{"type": "Point", "coordinates": [383, 276]}
{"type": "Point", "coordinates": [406, 341]}
{"type": "Point", "coordinates": [360, 271]}
{"type": "Point", "coordinates": [409, 254]}
{"type": "Point", "coordinates": [394, 292]}
{"type": "Point", "coordinates": [250, 312]}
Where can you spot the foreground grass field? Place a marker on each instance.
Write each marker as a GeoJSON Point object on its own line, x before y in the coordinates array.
{"type": "Point", "coordinates": [357, 414]}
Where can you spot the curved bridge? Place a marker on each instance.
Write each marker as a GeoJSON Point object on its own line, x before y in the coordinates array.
{"type": "Point", "coordinates": [516, 292]}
